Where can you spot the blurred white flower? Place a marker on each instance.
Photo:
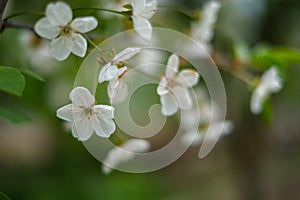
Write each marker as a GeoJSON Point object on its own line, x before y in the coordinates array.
{"type": "Point", "coordinates": [124, 153]}
{"type": "Point", "coordinates": [195, 122]}
{"type": "Point", "coordinates": [173, 88]}
{"type": "Point", "coordinates": [86, 116]}
{"type": "Point", "coordinates": [143, 10]}
{"type": "Point", "coordinates": [203, 30]}
{"type": "Point", "coordinates": [114, 72]}
{"type": "Point", "coordinates": [64, 33]}
{"type": "Point", "coordinates": [270, 83]}
{"type": "Point", "coordinates": [37, 53]}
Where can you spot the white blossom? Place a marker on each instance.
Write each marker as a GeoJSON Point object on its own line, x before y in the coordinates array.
{"type": "Point", "coordinates": [86, 116]}
{"type": "Point", "coordinates": [198, 119]}
{"type": "Point", "coordinates": [270, 83]}
{"type": "Point", "coordinates": [124, 153]}
{"type": "Point", "coordinates": [143, 10]}
{"type": "Point", "coordinates": [64, 32]}
{"type": "Point", "coordinates": [173, 87]}
{"type": "Point", "coordinates": [203, 30]}
{"type": "Point", "coordinates": [114, 72]}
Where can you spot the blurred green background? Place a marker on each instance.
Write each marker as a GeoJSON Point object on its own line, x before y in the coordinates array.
{"type": "Point", "coordinates": [39, 159]}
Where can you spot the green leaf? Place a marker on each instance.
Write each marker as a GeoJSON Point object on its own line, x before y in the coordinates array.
{"type": "Point", "coordinates": [32, 75]}
{"type": "Point", "coordinates": [3, 196]}
{"type": "Point", "coordinates": [264, 56]}
{"type": "Point", "coordinates": [12, 116]}
{"type": "Point", "coordinates": [11, 81]}
{"type": "Point", "coordinates": [128, 6]}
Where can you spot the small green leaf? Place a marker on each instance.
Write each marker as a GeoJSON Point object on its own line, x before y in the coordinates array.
{"type": "Point", "coordinates": [3, 196]}
{"type": "Point", "coordinates": [128, 6]}
{"type": "Point", "coordinates": [32, 75]}
{"type": "Point", "coordinates": [12, 116]}
{"type": "Point", "coordinates": [11, 81]}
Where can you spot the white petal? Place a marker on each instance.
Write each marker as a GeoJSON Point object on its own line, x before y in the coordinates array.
{"type": "Point", "coordinates": [142, 26]}
{"type": "Point", "coordinates": [111, 88]}
{"type": "Point", "coordinates": [138, 6]}
{"type": "Point", "coordinates": [121, 93]}
{"type": "Point", "coordinates": [81, 96]}
{"type": "Point", "coordinates": [108, 72]}
{"type": "Point", "coordinates": [169, 104]}
{"type": "Point", "coordinates": [271, 80]}
{"type": "Point", "coordinates": [122, 70]}
{"type": "Point", "coordinates": [149, 10]}
{"type": "Point", "coordinates": [188, 78]}
{"type": "Point", "coordinates": [183, 97]}
{"type": "Point", "coordinates": [82, 128]}
{"type": "Point", "coordinates": [46, 30]}
{"type": "Point", "coordinates": [74, 131]}
{"type": "Point", "coordinates": [65, 113]}
{"type": "Point", "coordinates": [172, 66]}
{"type": "Point", "coordinates": [257, 99]}
{"type": "Point", "coordinates": [126, 54]}
{"type": "Point", "coordinates": [162, 87]}
{"type": "Point", "coordinates": [59, 13]}
{"type": "Point", "coordinates": [79, 45]}
{"type": "Point", "coordinates": [136, 145]}
{"type": "Point", "coordinates": [192, 138]}
{"type": "Point", "coordinates": [104, 111]}
{"type": "Point", "coordinates": [60, 48]}
{"type": "Point", "coordinates": [103, 127]}
{"type": "Point", "coordinates": [84, 24]}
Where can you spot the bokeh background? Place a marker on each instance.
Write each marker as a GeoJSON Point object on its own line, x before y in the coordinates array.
{"type": "Point", "coordinates": [260, 159]}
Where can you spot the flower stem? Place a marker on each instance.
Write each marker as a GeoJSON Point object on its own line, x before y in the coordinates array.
{"type": "Point", "coordinates": [12, 24]}
{"type": "Point", "coordinates": [92, 43]}
{"type": "Point", "coordinates": [100, 9]}
{"type": "Point", "coordinates": [22, 14]}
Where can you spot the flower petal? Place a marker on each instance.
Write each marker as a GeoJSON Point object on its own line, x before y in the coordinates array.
{"type": "Point", "coordinates": [65, 112]}
{"type": "Point", "coordinates": [104, 111]}
{"type": "Point", "coordinates": [149, 10]}
{"type": "Point", "coordinates": [84, 24]}
{"type": "Point", "coordinates": [257, 99]}
{"type": "Point", "coordinates": [81, 96]}
{"type": "Point", "coordinates": [188, 78]}
{"type": "Point", "coordinates": [162, 87]}
{"type": "Point", "coordinates": [60, 48]}
{"type": "Point", "coordinates": [172, 66]}
{"type": "Point", "coordinates": [121, 92]}
{"type": "Point", "coordinates": [46, 30]}
{"type": "Point", "coordinates": [82, 128]}
{"type": "Point", "coordinates": [142, 26]}
{"type": "Point", "coordinates": [126, 54]}
{"type": "Point", "coordinates": [103, 127]}
{"type": "Point", "coordinates": [169, 104]}
{"type": "Point", "coordinates": [183, 97]}
{"type": "Point", "coordinates": [79, 45]}
{"type": "Point", "coordinates": [108, 72]}
{"type": "Point", "coordinates": [59, 13]}
{"type": "Point", "coordinates": [138, 6]}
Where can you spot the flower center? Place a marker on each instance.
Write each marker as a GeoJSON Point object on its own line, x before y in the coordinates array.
{"type": "Point", "coordinates": [66, 30]}
{"type": "Point", "coordinates": [88, 112]}
{"type": "Point", "coordinates": [172, 82]}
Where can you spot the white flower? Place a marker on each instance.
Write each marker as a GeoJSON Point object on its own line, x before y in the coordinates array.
{"type": "Point", "coordinates": [195, 122]}
{"type": "Point", "coordinates": [124, 153]}
{"type": "Point", "coordinates": [64, 33]}
{"type": "Point", "coordinates": [173, 88]}
{"type": "Point", "coordinates": [86, 116]}
{"type": "Point", "coordinates": [143, 10]}
{"type": "Point", "coordinates": [270, 83]}
{"type": "Point", "coordinates": [202, 30]}
{"type": "Point", "coordinates": [114, 72]}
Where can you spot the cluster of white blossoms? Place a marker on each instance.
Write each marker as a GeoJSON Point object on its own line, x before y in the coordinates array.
{"type": "Point", "coordinates": [203, 30]}
{"type": "Point", "coordinates": [66, 34]}
{"type": "Point", "coordinates": [270, 83]}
